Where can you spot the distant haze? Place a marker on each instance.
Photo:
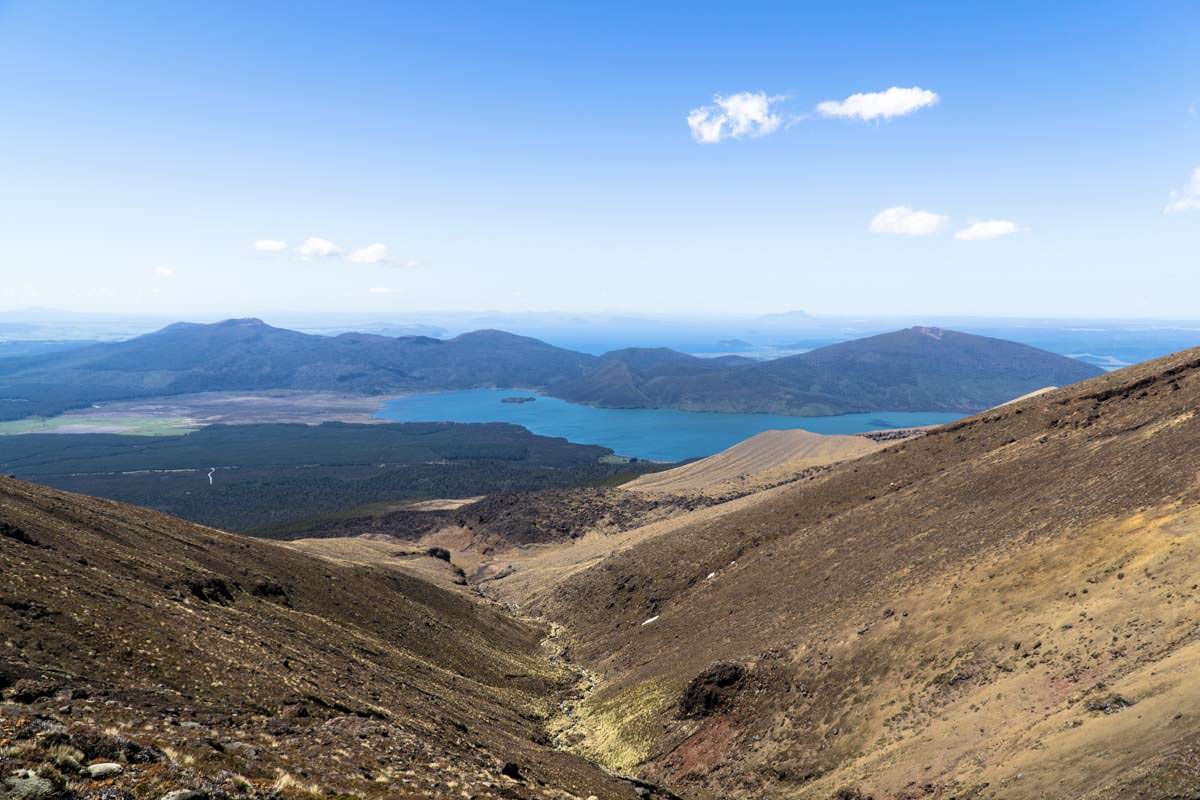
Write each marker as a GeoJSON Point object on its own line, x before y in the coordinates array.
{"type": "Point", "coordinates": [1108, 343]}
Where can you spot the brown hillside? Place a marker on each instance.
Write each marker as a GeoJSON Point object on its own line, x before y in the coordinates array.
{"type": "Point", "coordinates": [1005, 607]}
{"type": "Point", "coordinates": [200, 660]}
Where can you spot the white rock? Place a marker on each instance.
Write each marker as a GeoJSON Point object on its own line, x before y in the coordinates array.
{"type": "Point", "coordinates": [104, 769]}
{"type": "Point", "coordinates": [184, 794]}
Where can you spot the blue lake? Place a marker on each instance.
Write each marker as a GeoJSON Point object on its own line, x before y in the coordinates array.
{"type": "Point", "coordinates": [656, 434]}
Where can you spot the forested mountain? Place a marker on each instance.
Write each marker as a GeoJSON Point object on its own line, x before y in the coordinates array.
{"type": "Point", "coordinates": [919, 369]}
{"type": "Point", "coordinates": [248, 354]}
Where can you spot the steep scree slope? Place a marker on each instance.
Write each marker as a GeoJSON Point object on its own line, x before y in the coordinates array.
{"type": "Point", "coordinates": [195, 659]}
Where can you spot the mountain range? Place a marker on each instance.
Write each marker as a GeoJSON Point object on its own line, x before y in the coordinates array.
{"type": "Point", "coordinates": [249, 355]}
{"type": "Point", "coordinates": [919, 369]}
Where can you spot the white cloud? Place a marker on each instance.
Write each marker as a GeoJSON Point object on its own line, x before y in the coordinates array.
{"type": "Point", "coordinates": [164, 272]}
{"type": "Point", "coordinates": [371, 254]}
{"type": "Point", "coordinates": [381, 290]}
{"type": "Point", "coordinates": [1187, 198]}
{"type": "Point", "coordinates": [733, 117]}
{"type": "Point", "coordinates": [895, 102]}
{"type": "Point", "coordinates": [905, 221]}
{"type": "Point", "coordinates": [986, 229]}
{"type": "Point", "coordinates": [269, 245]}
{"type": "Point", "coordinates": [314, 247]}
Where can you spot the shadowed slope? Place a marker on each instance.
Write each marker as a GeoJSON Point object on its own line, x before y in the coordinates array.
{"type": "Point", "coordinates": [217, 655]}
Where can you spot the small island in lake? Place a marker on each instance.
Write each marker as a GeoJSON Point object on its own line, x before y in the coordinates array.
{"type": "Point", "coordinates": [517, 399]}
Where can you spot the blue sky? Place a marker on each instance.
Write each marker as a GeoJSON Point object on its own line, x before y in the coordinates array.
{"type": "Point", "coordinates": [538, 157]}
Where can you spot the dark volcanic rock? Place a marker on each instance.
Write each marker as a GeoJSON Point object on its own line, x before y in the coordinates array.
{"type": "Point", "coordinates": [102, 746]}
{"type": "Point", "coordinates": [851, 794]}
{"type": "Point", "coordinates": [710, 689]}
{"type": "Point", "coordinates": [29, 690]}
{"type": "Point", "coordinates": [270, 590]}
{"type": "Point", "coordinates": [1109, 704]}
{"type": "Point", "coordinates": [16, 534]}
{"type": "Point", "coordinates": [211, 590]}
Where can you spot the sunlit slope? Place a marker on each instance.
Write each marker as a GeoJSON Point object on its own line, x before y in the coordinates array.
{"type": "Point", "coordinates": [761, 460]}
{"type": "Point", "coordinates": [1004, 607]}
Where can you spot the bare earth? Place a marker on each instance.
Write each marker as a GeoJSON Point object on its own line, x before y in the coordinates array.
{"type": "Point", "coordinates": [186, 412]}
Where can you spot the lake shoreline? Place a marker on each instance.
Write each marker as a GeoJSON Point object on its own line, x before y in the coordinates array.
{"type": "Point", "coordinates": [661, 435]}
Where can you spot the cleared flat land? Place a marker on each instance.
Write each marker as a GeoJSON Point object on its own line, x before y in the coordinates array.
{"type": "Point", "coordinates": [101, 422]}
{"type": "Point", "coordinates": [167, 416]}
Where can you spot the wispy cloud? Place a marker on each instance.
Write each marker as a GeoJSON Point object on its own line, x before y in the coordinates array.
{"type": "Point", "coordinates": [371, 254]}
{"type": "Point", "coordinates": [894, 102]}
{"type": "Point", "coordinates": [1187, 198]}
{"type": "Point", "coordinates": [164, 271]}
{"type": "Point", "coordinates": [315, 247]}
{"type": "Point", "coordinates": [381, 290]}
{"type": "Point", "coordinates": [986, 230]}
{"type": "Point", "coordinates": [906, 221]}
{"type": "Point", "coordinates": [735, 117]}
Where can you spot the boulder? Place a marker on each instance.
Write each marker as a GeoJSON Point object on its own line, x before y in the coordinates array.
{"type": "Point", "coordinates": [103, 769]}
{"type": "Point", "coordinates": [710, 689]}
{"type": "Point", "coordinates": [185, 794]}
{"type": "Point", "coordinates": [25, 784]}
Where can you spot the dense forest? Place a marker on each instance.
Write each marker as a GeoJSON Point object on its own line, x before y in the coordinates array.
{"type": "Point", "coordinates": [270, 474]}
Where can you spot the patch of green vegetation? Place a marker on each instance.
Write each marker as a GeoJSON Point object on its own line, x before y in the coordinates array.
{"type": "Point", "coordinates": [619, 729]}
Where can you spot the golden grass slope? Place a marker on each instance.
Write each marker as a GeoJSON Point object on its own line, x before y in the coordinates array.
{"type": "Point", "coordinates": [762, 460]}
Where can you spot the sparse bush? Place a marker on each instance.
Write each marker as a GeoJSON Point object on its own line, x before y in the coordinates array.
{"type": "Point", "coordinates": [288, 786]}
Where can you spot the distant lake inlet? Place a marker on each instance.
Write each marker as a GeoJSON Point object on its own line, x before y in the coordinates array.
{"type": "Point", "coordinates": [657, 434]}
